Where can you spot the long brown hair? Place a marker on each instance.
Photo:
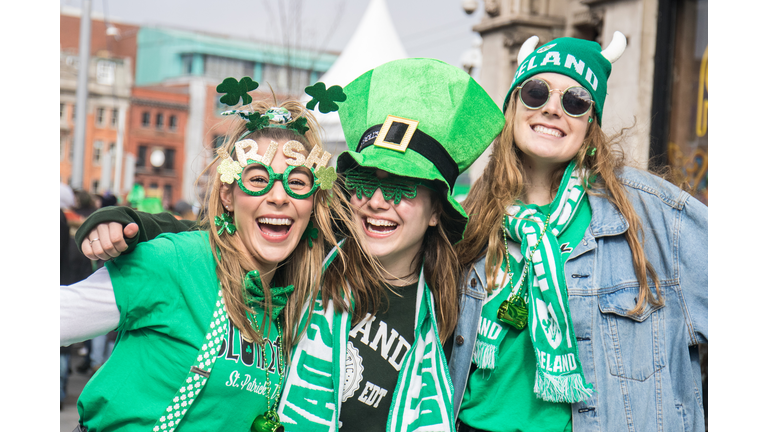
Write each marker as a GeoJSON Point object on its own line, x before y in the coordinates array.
{"type": "Point", "coordinates": [441, 273]}
{"type": "Point", "coordinates": [503, 182]}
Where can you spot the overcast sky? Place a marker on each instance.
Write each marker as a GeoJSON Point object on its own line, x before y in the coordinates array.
{"type": "Point", "coordinates": [427, 28]}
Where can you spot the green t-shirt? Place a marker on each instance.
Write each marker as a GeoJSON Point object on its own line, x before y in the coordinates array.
{"type": "Point", "coordinates": [166, 292]}
{"type": "Point", "coordinates": [502, 400]}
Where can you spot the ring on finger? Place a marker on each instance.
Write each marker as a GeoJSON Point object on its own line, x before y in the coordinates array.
{"type": "Point", "coordinates": [91, 241]}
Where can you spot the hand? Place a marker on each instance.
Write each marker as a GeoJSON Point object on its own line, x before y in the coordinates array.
{"type": "Point", "coordinates": [107, 240]}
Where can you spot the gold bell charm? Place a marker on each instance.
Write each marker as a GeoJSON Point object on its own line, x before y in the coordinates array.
{"type": "Point", "coordinates": [514, 312]}
{"type": "Point", "coordinates": [267, 422]}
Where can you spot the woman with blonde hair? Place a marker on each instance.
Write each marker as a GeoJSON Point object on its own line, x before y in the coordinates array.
{"type": "Point", "coordinates": [586, 292]}
{"type": "Point", "coordinates": [206, 318]}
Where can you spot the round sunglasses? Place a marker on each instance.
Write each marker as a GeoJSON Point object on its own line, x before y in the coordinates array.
{"type": "Point", "coordinates": [575, 100]}
{"type": "Point", "coordinates": [257, 179]}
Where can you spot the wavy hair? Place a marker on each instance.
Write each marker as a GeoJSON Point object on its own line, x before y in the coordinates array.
{"type": "Point", "coordinates": [503, 182]}
{"type": "Point", "coordinates": [303, 268]}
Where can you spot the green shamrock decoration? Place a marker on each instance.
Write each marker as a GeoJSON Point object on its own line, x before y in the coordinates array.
{"type": "Point", "coordinates": [256, 121]}
{"type": "Point", "coordinates": [224, 223]}
{"type": "Point", "coordinates": [235, 90]}
{"type": "Point", "coordinates": [229, 170]}
{"type": "Point", "coordinates": [326, 98]}
{"type": "Point", "coordinates": [299, 125]}
{"type": "Point", "coordinates": [326, 176]}
{"type": "Point", "coordinates": [310, 233]}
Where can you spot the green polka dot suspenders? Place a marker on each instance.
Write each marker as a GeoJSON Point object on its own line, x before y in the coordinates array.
{"type": "Point", "coordinates": [198, 373]}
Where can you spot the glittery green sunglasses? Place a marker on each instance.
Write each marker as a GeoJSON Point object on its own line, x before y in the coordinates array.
{"type": "Point", "coordinates": [394, 187]}
{"type": "Point", "coordinates": [257, 179]}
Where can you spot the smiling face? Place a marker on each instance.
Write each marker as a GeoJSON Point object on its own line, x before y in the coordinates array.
{"type": "Point", "coordinates": [548, 136]}
{"type": "Point", "coordinates": [395, 232]}
{"type": "Point", "coordinates": [269, 226]}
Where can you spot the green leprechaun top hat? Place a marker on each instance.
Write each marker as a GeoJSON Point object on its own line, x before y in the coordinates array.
{"type": "Point", "coordinates": [582, 60]}
{"type": "Point", "coordinates": [419, 118]}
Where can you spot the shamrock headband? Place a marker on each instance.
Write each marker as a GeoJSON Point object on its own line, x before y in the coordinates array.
{"type": "Point", "coordinates": [316, 161]}
{"type": "Point", "coordinates": [582, 60]}
{"type": "Point", "coordinates": [277, 117]}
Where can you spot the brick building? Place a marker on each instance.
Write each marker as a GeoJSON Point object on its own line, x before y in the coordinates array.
{"type": "Point", "coordinates": [156, 123]}
{"type": "Point", "coordinates": [110, 79]}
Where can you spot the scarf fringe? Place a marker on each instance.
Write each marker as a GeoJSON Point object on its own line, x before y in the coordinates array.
{"type": "Point", "coordinates": [485, 355]}
{"type": "Point", "coordinates": [561, 388]}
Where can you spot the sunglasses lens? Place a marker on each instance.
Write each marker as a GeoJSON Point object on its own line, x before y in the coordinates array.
{"type": "Point", "coordinates": [576, 101]}
{"type": "Point", "coordinates": [534, 93]}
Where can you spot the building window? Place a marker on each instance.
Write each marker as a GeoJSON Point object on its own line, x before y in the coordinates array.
{"type": "Point", "coordinates": [62, 147]}
{"type": "Point", "coordinates": [105, 72]}
{"type": "Point", "coordinates": [74, 111]}
{"type": "Point", "coordinates": [222, 67]}
{"type": "Point", "coordinates": [141, 159]}
{"type": "Point", "coordinates": [170, 155]}
{"type": "Point", "coordinates": [98, 147]}
{"type": "Point", "coordinates": [145, 119]}
{"type": "Point", "coordinates": [172, 122]}
{"type": "Point", "coordinates": [62, 110]}
{"type": "Point", "coordinates": [186, 63]}
{"type": "Point", "coordinates": [100, 116]}
{"type": "Point", "coordinates": [112, 155]}
{"type": "Point", "coordinates": [115, 115]}
{"type": "Point", "coordinates": [285, 79]}
{"type": "Point", "coordinates": [95, 187]}
{"type": "Point", "coordinates": [159, 120]}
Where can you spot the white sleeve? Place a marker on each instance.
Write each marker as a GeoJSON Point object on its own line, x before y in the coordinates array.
{"type": "Point", "coordinates": [87, 308]}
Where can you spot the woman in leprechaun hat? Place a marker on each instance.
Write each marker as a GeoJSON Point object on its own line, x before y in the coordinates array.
{"type": "Point", "coordinates": [586, 292]}
{"type": "Point", "coordinates": [412, 126]}
{"type": "Point", "coordinates": [206, 318]}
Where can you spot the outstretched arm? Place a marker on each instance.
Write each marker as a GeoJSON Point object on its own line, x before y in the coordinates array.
{"type": "Point", "coordinates": [87, 308]}
{"type": "Point", "coordinates": [110, 231]}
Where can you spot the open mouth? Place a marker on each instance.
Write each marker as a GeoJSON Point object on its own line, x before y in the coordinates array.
{"type": "Point", "coordinates": [380, 226]}
{"type": "Point", "coordinates": [557, 133]}
{"type": "Point", "coordinates": [275, 227]}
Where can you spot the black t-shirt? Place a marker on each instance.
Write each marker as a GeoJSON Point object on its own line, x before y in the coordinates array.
{"type": "Point", "coordinates": [375, 352]}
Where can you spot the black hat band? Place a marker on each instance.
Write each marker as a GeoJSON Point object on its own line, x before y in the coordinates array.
{"type": "Point", "coordinates": [420, 142]}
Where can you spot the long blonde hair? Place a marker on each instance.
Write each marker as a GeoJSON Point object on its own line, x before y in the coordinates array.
{"type": "Point", "coordinates": [303, 268]}
{"type": "Point", "coordinates": [503, 182]}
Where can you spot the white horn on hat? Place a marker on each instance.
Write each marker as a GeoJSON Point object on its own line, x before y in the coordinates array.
{"type": "Point", "coordinates": [616, 48]}
{"type": "Point", "coordinates": [527, 48]}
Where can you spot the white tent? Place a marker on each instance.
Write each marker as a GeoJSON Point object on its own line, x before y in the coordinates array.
{"type": "Point", "coordinates": [374, 43]}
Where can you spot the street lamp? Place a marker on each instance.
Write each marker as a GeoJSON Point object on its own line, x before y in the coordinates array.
{"type": "Point", "coordinates": [469, 6]}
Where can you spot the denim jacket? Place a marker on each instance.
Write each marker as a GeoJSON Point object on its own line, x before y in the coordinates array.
{"type": "Point", "coordinates": [644, 369]}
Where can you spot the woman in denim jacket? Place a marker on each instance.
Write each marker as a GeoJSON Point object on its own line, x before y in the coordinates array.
{"type": "Point", "coordinates": [586, 294]}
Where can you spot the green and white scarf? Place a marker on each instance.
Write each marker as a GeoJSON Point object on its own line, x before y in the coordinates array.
{"type": "Point", "coordinates": [559, 376]}
{"type": "Point", "coordinates": [311, 400]}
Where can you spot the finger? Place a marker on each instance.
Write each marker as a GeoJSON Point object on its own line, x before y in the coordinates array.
{"type": "Point", "coordinates": [116, 238]}
{"type": "Point", "coordinates": [110, 235]}
{"type": "Point", "coordinates": [131, 230]}
{"type": "Point", "coordinates": [96, 243]}
{"type": "Point", "coordinates": [87, 250]}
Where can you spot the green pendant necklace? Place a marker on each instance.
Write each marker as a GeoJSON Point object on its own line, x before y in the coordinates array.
{"type": "Point", "coordinates": [270, 421]}
{"type": "Point", "coordinates": [514, 310]}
